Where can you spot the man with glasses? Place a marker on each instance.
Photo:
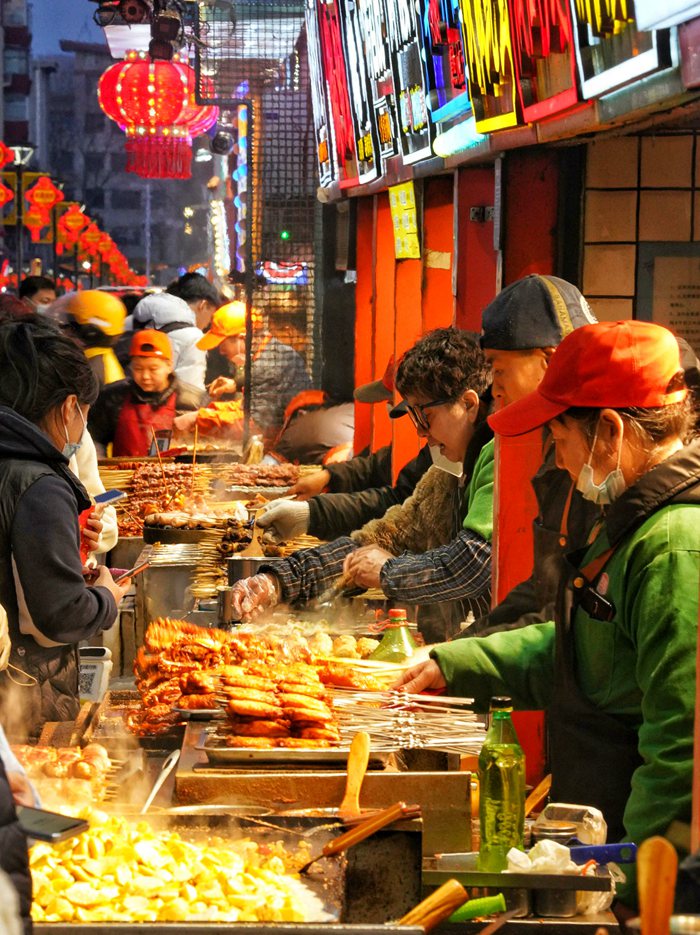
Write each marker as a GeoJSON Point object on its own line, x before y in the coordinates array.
{"type": "Point", "coordinates": [447, 368]}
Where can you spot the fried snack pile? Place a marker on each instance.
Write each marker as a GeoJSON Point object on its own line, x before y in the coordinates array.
{"type": "Point", "coordinates": [263, 681]}
{"type": "Point", "coordinates": [66, 778]}
{"type": "Point", "coordinates": [122, 872]}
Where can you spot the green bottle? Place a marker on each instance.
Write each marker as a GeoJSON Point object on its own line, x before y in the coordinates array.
{"type": "Point", "coordinates": [397, 644]}
{"type": "Point", "coordinates": [501, 789]}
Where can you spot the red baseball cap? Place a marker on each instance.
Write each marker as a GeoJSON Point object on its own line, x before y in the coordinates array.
{"type": "Point", "coordinates": [151, 343]}
{"type": "Point", "coordinates": [616, 364]}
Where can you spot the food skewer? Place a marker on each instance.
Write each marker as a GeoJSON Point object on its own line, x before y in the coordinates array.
{"type": "Point", "coordinates": [160, 461]}
{"type": "Point", "coordinates": [194, 456]}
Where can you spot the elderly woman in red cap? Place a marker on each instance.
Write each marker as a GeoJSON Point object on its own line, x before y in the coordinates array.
{"type": "Point", "coordinates": [616, 670]}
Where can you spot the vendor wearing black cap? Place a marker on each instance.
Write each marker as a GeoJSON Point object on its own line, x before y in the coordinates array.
{"type": "Point", "coordinates": [616, 668]}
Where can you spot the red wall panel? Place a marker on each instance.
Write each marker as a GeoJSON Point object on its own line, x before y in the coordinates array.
{"type": "Point", "coordinates": [476, 256]}
{"type": "Point", "coordinates": [364, 316]}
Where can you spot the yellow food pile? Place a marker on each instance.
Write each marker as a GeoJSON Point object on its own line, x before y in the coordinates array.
{"type": "Point", "coordinates": [122, 872]}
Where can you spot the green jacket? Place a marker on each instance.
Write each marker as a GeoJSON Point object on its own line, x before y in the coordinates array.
{"type": "Point", "coordinates": [639, 667]}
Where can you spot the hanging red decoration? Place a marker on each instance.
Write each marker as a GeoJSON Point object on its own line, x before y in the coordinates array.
{"type": "Point", "coordinates": [6, 195]}
{"type": "Point", "coordinates": [36, 219]}
{"type": "Point", "coordinates": [6, 155]}
{"type": "Point", "coordinates": [44, 195]}
{"type": "Point", "coordinates": [154, 104]}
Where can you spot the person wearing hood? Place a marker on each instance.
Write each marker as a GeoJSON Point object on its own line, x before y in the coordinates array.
{"type": "Point", "coordinates": [127, 414]}
{"type": "Point", "coordinates": [174, 317]}
{"type": "Point", "coordinates": [46, 390]}
{"type": "Point", "coordinates": [615, 668]}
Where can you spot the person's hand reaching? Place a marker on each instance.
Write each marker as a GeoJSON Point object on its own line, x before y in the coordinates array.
{"type": "Point", "coordinates": [364, 565]}
{"type": "Point", "coordinates": [311, 485]}
{"type": "Point", "coordinates": [284, 519]}
{"type": "Point", "coordinates": [251, 596]}
{"type": "Point", "coordinates": [423, 677]}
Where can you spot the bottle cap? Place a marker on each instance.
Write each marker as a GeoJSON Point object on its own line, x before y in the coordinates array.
{"type": "Point", "coordinates": [396, 613]}
{"type": "Point", "coordinates": [501, 701]}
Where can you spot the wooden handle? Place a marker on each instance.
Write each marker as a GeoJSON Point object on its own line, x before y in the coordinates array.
{"type": "Point", "coordinates": [538, 794]}
{"type": "Point", "coordinates": [365, 829]}
{"type": "Point", "coordinates": [657, 866]}
{"type": "Point", "coordinates": [436, 907]}
{"type": "Point", "coordinates": [358, 758]}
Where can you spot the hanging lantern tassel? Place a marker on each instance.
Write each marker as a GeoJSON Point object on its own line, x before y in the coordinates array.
{"type": "Point", "coordinates": [159, 157]}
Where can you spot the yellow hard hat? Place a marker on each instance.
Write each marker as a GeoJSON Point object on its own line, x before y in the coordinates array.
{"type": "Point", "coordinates": [226, 322]}
{"type": "Point", "coordinates": [99, 309]}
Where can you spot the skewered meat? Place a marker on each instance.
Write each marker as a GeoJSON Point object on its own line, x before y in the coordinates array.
{"type": "Point", "coordinates": [198, 702]}
{"type": "Point", "coordinates": [256, 709]}
{"type": "Point", "coordinates": [257, 742]}
{"type": "Point", "coordinates": [197, 682]}
{"type": "Point", "coordinates": [262, 728]}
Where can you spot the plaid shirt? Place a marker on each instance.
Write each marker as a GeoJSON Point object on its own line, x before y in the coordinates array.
{"type": "Point", "coordinates": [460, 571]}
{"type": "Point", "coordinates": [306, 574]}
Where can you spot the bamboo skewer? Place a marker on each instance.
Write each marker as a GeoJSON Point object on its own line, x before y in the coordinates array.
{"type": "Point", "coordinates": [194, 455]}
{"type": "Point", "coordinates": [160, 461]}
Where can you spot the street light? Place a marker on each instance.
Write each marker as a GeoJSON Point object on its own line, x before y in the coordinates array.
{"type": "Point", "coordinates": [23, 154]}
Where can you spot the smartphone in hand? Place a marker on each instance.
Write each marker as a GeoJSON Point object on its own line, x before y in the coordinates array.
{"type": "Point", "coordinates": [48, 826]}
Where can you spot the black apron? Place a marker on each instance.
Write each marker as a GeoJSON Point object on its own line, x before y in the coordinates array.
{"type": "Point", "coordinates": [593, 754]}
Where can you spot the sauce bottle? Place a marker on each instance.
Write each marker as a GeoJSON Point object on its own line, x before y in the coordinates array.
{"type": "Point", "coordinates": [397, 644]}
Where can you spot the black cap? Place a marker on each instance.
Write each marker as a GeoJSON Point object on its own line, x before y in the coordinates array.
{"type": "Point", "coordinates": [400, 409]}
{"type": "Point", "coordinates": [537, 311]}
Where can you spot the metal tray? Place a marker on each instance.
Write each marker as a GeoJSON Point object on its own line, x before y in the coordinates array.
{"type": "Point", "coordinates": [217, 753]}
{"type": "Point", "coordinates": [199, 714]}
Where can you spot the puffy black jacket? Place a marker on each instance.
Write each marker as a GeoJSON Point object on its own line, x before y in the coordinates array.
{"type": "Point", "coordinates": [49, 608]}
{"type": "Point", "coordinates": [14, 859]}
{"type": "Point", "coordinates": [332, 515]}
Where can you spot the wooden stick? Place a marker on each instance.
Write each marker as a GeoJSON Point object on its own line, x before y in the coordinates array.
{"type": "Point", "coordinates": [160, 460]}
{"type": "Point", "coordinates": [194, 455]}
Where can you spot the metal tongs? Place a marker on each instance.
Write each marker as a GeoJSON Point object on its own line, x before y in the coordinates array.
{"type": "Point", "coordinates": [363, 830]}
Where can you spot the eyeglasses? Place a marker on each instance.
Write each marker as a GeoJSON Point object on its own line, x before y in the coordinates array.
{"type": "Point", "coordinates": [417, 412]}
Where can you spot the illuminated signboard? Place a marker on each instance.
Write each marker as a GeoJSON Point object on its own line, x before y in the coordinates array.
{"type": "Point", "coordinates": [374, 31]}
{"type": "Point", "coordinates": [407, 55]}
{"type": "Point", "coordinates": [544, 55]}
{"type": "Point", "coordinates": [323, 132]}
{"type": "Point", "coordinates": [489, 54]}
{"type": "Point", "coordinates": [364, 116]}
{"type": "Point", "coordinates": [339, 122]}
{"type": "Point", "coordinates": [445, 67]}
{"type": "Point", "coordinates": [610, 50]}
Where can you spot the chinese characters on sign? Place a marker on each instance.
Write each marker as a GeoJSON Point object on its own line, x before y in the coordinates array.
{"type": "Point", "coordinates": [404, 216]}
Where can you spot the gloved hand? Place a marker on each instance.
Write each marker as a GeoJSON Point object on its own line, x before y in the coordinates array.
{"type": "Point", "coordinates": [284, 519]}
{"type": "Point", "coordinates": [251, 596]}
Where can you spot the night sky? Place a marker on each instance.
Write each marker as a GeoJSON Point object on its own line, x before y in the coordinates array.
{"type": "Point", "coordinates": [53, 20]}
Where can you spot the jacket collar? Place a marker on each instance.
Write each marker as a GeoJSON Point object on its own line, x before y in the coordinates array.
{"type": "Point", "coordinates": [153, 399]}
{"type": "Point", "coordinates": [675, 480]}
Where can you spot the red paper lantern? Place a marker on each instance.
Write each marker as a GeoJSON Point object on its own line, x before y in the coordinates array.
{"type": "Point", "coordinates": [6, 195]}
{"type": "Point", "coordinates": [35, 218]}
{"type": "Point", "coordinates": [153, 102]}
{"type": "Point", "coordinates": [44, 195]}
{"type": "Point", "coordinates": [6, 155]}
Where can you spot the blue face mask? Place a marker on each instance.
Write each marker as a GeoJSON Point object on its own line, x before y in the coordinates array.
{"type": "Point", "coordinates": [71, 448]}
{"type": "Point", "coordinates": [609, 489]}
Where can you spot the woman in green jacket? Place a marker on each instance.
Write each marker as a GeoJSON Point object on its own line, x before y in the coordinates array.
{"type": "Point", "coordinates": [616, 670]}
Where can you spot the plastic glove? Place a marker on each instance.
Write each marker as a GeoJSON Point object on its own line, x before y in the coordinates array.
{"type": "Point", "coordinates": [285, 519]}
{"type": "Point", "coordinates": [251, 596]}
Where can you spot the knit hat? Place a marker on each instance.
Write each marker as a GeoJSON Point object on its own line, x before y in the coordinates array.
{"type": "Point", "coordinates": [616, 364]}
{"type": "Point", "coordinates": [537, 311]}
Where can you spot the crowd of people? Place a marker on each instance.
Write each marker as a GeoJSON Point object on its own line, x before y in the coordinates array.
{"type": "Point", "coordinates": [602, 634]}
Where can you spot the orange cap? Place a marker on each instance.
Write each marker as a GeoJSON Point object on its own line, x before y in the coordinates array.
{"type": "Point", "coordinates": [151, 343]}
{"type": "Point", "coordinates": [614, 364]}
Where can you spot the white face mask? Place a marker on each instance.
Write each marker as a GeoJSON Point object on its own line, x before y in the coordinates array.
{"type": "Point", "coordinates": [440, 461]}
{"type": "Point", "coordinates": [609, 489]}
{"type": "Point", "coordinates": [71, 448]}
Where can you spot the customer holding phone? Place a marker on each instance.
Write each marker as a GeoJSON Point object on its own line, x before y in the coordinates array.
{"type": "Point", "coordinates": [46, 389]}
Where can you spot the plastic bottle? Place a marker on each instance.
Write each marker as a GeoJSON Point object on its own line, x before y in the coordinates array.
{"type": "Point", "coordinates": [501, 789]}
{"type": "Point", "coordinates": [397, 644]}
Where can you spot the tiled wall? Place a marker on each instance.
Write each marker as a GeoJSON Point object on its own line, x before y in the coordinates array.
{"type": "Point", "coordinates": [640, 188]}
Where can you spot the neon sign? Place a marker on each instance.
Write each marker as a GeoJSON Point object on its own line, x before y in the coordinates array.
{"type": "Point", "coordinates": [407, 55]}
{"type": "Point", "coordinates": [326, 154]}
{"type": "Point", "coordinates": [489, 54]}
{"type": "Point", "coordinates": [444, 63]}
{"type": "Point", "coordinates": [360, 91]}
{"type": "Point", "coordinates": [544, 55]}
{"type": "Point", "coordinates": [610, 50]}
